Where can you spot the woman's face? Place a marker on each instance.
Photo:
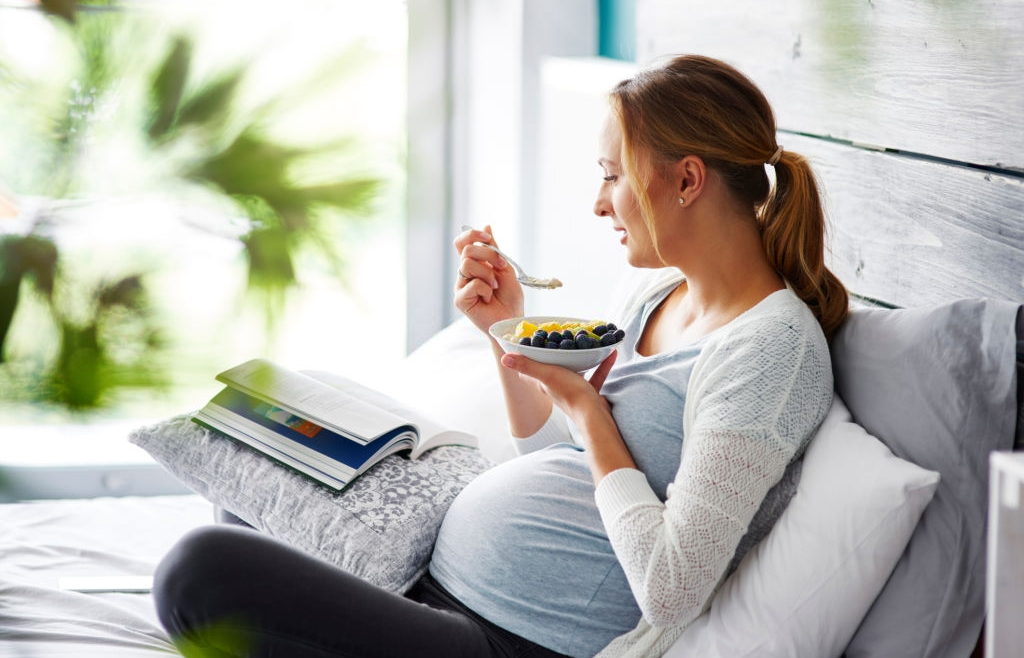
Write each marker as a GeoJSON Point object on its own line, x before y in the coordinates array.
{"type": "Point", "coordinates": [615, 199]}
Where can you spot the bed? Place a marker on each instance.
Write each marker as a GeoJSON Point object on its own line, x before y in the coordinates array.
{"type": "Point", "coordinates": [915, 123]}
{"type": "Point", "coordinates": [45, 541]}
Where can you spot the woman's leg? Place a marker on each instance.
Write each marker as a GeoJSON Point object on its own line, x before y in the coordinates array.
{"type": "Point", "coordinates": [228, 591]}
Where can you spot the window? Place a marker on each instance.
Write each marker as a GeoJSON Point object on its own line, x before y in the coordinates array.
{"type": "Point", "coordinates": [186, 185]}
{"type": "Point", "coordinates": [617, 29]}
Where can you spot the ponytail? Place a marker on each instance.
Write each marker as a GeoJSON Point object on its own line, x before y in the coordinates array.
{"type": "Point", "coordinates": [793, 234]}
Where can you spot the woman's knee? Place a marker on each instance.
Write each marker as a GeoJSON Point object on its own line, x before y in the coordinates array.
{"type": "Point", "coordinates": [191, 566]}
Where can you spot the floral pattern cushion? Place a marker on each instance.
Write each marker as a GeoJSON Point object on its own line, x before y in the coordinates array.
{"type": "Point", "coordinates": [381, 528]}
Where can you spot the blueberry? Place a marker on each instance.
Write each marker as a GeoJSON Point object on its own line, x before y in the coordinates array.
{"type": "Point", "coordinates": [555, 336]}
{"type": "Point", "coordinates": [541, 333]}
{"type": "Point", "coordinates": [538, 341]}
{"type": "Point", "coordinates": [600, 329]}
{"type": "Point", "coordinates": [584, 342]}
{"type": "Point", "coordinates": [611, 326]}
{"type": "Point", "coordinates": [567, 344]}
{"type": "Point", "coordinates": [525, 340]}
{"type": "Point", "coordinates": [619, 335]}
{"type": "Point", "coordinates": [608, 338]}
{"type": "Point", "coordinates": [551, 345]}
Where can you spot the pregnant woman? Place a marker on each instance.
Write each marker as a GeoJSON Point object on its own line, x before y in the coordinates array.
{"type": "Point", "coordinates": [637, 488]}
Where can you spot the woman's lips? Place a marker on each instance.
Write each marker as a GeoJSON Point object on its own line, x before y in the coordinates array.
{"type": "Point", "coordinates": [622, 231]}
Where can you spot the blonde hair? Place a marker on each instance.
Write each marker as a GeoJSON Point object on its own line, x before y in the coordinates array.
{"type": "Point", "coordinates": [695, 105]}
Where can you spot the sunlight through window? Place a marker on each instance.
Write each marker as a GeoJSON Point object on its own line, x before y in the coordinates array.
{"type": "Point", "coordinates": [187, 185]}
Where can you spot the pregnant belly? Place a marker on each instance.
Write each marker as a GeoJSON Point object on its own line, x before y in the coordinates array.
{"type": "Point", "coordinates": [543, 501]}
{"type": "Point", "coordinates": [523, 545]}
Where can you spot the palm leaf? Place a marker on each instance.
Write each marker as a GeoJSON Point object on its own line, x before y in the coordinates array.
{"type": "Point", "coordinates": [208, 105]}
{"type": "Point", "coordinates": [353, 196]}
{"type": "Point", "coordinates": [23, 257]}
{"type": "Point", "coordinates": [167, 88]}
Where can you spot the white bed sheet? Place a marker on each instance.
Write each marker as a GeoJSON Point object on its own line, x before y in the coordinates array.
{"type": "Point", "coordinates": [41, 542]}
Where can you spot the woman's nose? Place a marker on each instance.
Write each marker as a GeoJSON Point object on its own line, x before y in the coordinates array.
{"type": "Point", "coordinates": [602, 208]}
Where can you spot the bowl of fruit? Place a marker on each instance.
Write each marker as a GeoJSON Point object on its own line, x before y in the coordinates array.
{"type": "Point", "coordinates": [569, 342]}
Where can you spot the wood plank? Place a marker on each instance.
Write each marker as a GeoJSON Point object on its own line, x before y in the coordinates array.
{"type": "Point", "coordinates": [936, 78]}
{"type": "Point", "coordinates": [913, 232]}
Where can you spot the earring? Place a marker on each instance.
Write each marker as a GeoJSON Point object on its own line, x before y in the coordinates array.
{"type": "Point", "coordinates": [682, 200]}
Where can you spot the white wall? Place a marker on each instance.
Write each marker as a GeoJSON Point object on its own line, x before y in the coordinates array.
{"type": "Point", "coordinates": [497, 108]}
{"type": "Point", "coordinates": [474, 125]}
{"type": "Point", "coordinates": [569, 241]}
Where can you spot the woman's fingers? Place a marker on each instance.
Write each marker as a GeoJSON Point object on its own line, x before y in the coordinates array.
{"type": "Point", "coordinates": [602, 370]}
{"type": "Point", "coordinates": [473, 235]}
{"type": "Point", "coordinates": [473, 268]}
{"type": "Point", "coordinates": [488, 259]}
{"type": "Point", "coordinates": [565, 387]}
{"type": "Point", "coordinates": [547, 375]}
{"type": "Point", "coordinates": [466, 245]}
{"type": "Point", "coordinates": [486, 289]}
{"type": "Point", "coordinates": [552, 374]}
{"type": "Point", "coordinates": [471, 291]}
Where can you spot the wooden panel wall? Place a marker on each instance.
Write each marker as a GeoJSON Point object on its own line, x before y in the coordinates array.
{"type": "Point", "coordinates": [913, 113]}
{"type": "Point", "coordinates": [914, 232]}
{"type": "Point", "coordinates": [939, 77]}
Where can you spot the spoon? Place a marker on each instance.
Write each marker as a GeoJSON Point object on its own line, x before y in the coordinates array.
{"type": "Point", "coordinates": [521, 276]}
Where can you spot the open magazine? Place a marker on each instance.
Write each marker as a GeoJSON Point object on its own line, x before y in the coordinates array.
{"type": "Point", "coordinates": [324, 425]}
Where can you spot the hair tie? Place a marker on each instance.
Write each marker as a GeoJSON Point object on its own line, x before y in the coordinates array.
{"type": "Point", "coordinates": [775, 156]}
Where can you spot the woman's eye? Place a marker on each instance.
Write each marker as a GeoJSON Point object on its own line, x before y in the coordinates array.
{"type": "Point", "coordinates": [610, 179]}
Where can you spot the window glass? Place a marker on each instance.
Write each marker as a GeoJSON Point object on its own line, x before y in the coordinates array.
{"type": "Point", "coordinates": [186, 185]}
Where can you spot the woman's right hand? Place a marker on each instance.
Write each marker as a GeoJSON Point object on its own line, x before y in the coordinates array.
{"type": "Point", "coordinates": [486, 288]}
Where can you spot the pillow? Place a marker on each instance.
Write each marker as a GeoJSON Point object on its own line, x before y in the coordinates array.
{"type": "Point", "coordinates": [938, 386]}
{"type": "Point", "coordinates": [382, 527]}
{"type": "Point", "coordinates": [467, 396]}
{"type": "Point", "coordinates": [804, 588]}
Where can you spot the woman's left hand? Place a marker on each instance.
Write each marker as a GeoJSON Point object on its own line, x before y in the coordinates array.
{"type": "Point", "coordinates": [581, 400]}
{"type": "Point", "coordinates": [570, 391]}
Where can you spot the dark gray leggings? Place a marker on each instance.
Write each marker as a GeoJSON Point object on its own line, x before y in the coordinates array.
{"type": "Point", "coordinates": [232, 591]}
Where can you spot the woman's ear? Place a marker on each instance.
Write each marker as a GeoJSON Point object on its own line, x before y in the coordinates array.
{"type": "Point", "coordinates": [690, 174]}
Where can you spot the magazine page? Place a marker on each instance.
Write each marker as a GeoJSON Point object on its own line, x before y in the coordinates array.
{"type": "Point", "coordinates": [312, 399]}
{"type": "Point", "coordinates": [431, 433]}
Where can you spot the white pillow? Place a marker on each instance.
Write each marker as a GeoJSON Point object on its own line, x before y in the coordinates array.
{"type": "Point", "coordinates": [453, 377]}
{"type": "Point", "coordinates": [804, 589]}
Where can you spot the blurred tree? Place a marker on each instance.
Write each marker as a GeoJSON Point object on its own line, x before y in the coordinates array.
{"type": "Point", "coordinates": [199, 131]}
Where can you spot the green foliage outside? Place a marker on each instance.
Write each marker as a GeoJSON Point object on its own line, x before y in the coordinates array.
{"type": "Point", "coordinates": [201, 141]}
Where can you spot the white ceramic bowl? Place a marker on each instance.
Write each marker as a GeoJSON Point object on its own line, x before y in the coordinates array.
{"type": "Point", "coordinates": [576, 360]}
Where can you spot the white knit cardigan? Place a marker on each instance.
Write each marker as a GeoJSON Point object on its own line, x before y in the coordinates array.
{"type": "Point", "coordinates": [760, 387]}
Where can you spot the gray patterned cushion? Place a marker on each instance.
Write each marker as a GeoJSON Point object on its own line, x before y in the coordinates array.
{"type": "Point", "coordinates": [381, 528]}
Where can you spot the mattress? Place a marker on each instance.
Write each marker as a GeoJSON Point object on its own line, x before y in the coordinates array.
{"type": "Point", "coordinates": [42, 542]}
